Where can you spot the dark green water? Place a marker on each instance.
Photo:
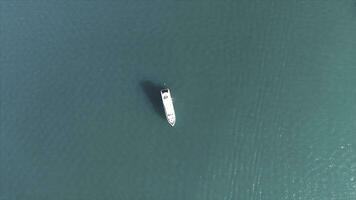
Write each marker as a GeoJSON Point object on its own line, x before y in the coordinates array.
{"type": "Point", "coordinates": [265, 97]}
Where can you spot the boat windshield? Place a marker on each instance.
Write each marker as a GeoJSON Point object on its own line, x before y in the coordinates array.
{"type": "Point", "coordinates": [164, 91]}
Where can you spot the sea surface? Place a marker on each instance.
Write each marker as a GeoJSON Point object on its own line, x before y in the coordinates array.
{"type": "Point", "coordinates": [264, 93]}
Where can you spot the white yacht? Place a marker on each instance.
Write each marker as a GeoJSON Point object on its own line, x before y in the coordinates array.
{"type": "Point", "coordinates": [168, 106]}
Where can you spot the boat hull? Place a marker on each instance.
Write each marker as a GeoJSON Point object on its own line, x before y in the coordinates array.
{"type": "Point", "coordinates": [168, 106]}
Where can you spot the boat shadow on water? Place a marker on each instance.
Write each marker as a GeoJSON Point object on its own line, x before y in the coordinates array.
{"type": "Point", "coordinates": [153, 94]}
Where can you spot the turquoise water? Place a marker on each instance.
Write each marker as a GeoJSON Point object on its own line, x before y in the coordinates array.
{"type": "Point", "coordinates": [264, 94]}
